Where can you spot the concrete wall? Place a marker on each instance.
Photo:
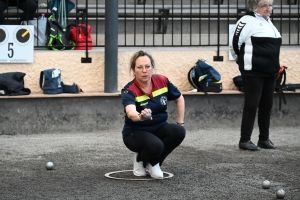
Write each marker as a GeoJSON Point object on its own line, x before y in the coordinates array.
{"type": "Point", "coordinates": [91, 114]}
{"type": "Point", "coordinates": [88, 114]}
{"type": "Point", "coordinates": [172, 62]}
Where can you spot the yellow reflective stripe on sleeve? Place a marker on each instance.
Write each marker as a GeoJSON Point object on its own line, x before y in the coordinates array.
{"type": "Point", "coordinates": [141, 98]}
{"type": "Point", "coordinates": [160, 91]}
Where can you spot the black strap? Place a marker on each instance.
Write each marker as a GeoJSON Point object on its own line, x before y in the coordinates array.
{"type": "Point", "coordinates": [284, 77]}
{"type": "Point", "coordinates": [41, 79]}
{"type": "Point", "coordinates": [281, 96]}
{"type": "Point", "coordinates": [84, 29]}
{"type": "Point", "coordinates": [68, 29]}
{"type": "Point", "coordinates": [282, 87]}
{"type": "Point", "coordinates": [83, 14]}
{"type": "Point", "coordinates": [190, 79]}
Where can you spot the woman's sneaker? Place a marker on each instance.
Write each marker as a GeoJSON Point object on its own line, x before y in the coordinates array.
{"type": "Point", "coordinates": [155, 171]}
{"type": "Point", "coordinates": [138, 167]}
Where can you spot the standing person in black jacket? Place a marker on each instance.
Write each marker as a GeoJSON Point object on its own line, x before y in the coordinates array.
{"type": "Point", "coordinates": [28, 7]}
{"type": "Point", "coordinates": [255, 44]}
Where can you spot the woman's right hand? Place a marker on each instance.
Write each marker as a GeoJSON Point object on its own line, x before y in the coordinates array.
{"type": "Point", "coordinates": [144, 112]}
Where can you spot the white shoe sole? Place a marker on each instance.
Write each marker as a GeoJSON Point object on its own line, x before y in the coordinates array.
{"type": "Point", "coordinates": [155, 177]}
{"type": "Point", "coordinates": [137, 174]}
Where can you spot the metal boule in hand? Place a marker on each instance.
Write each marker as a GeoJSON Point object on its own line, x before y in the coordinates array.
{"type": "Point", "coordinates": [147, 116]}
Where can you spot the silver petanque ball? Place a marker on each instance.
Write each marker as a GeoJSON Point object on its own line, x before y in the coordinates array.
{"type": "Point", "coordinates": [266, 184]}
{"type": "Point", "coordinates": [49, 165]}
{"type": "Point", "coordinates": [147, 116]}
{"type": "Point", "coordinates": [280, 194]}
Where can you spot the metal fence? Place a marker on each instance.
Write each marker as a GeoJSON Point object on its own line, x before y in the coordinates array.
{"type": "Point", "coordinates": [177, 23]}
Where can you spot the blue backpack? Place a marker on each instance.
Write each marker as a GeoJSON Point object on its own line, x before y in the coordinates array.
{"type": "Point", "coordinates": [50, 81]}
{"type": "Point", "coordinates": [204, 77]}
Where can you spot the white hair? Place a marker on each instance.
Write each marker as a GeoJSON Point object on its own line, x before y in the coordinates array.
{"type": "Point", "coordinates": [252, 5]}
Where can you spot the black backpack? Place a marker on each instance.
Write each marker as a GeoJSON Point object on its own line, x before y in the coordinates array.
{"type": "Point", "coordinates": [58, 38]}
{"type": "Point", "coordinates": [238, 82]}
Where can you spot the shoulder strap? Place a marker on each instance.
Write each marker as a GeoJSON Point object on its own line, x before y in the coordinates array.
{"type": "Point", "coordinates": [281, 96]}
{"type": "Point", "coordinates": [41, 79]}
{"type": "Point", "coordinates": [284, 76]}
{"type": "Point", "coordinates": [68, 29]}
{"type": "Point", "coordinates": [190, 79]}
{"type": "Point", "coordinates": [84, 29]}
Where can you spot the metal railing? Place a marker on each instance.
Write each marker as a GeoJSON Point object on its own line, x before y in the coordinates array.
{"type": "Point", "coordinates": [178, 23]}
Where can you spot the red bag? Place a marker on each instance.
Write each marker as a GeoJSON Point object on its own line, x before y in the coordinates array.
{"type": "Point", "coordinates": [78, 34]}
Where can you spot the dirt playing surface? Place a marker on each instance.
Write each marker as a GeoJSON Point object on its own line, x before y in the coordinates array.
{"type": "Point", "coordinates": [207, 165]}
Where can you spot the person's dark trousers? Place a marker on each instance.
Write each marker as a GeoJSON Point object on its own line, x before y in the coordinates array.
{"type": "Point", "coordinates": [28, 7]}
{"type": "Point", "coordinates": [259, 93]}
{"type": "Point", "coordinates": [152, 148]}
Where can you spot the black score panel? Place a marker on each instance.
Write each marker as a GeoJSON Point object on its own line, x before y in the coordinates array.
{"type": "Point", "coordinates": [3, 35]}
{"type": "Point", "coordinates": [22, 36]}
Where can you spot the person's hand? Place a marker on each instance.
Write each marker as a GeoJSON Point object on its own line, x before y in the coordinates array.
{"type": "Point", "coordinates": [145, 113]}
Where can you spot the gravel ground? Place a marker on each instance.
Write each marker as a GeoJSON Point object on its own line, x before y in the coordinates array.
{"type": "Point", "coordinates": [207, 165]}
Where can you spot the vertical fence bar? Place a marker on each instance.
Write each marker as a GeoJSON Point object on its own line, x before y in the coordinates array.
{"type": "Point", "coordinates": [144, 24]}
{"type": "Point", "coordinates": [280, 18]}
{"type": "Point", "coordinates": [298, 42]}
{"type": "Point", "coordinates": [191, 23]}
{"type": "Point", "coordinates": [86, 59]}
{"type": "Point", "coordinates": [227, 43]}
{"type": "Point", "coordinates": [290, 23]}
{"type": "Point", "coordinates": [111, 46]}
{"type": "Point", "coordinates": [200, 23]}
{"type": "Point", "coordinates": [181, 19]}
{"type": "Point", "coordinates": [125, 23]}
{"type": "Point", "coordinates": [172, 33]}
{"type": "Point", "coordinates": [209, 21]}
{"type": "Point", "coordinates": [97, 20]}
{"type": "Point", "coordinates": [218, 57]}
{"type": "Point", "coordinates": [153, 24]}
{"type": "Point", "coordinates": [134, 26]}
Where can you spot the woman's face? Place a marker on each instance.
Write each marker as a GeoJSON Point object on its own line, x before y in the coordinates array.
{"type": "Point", "coordinates": [143, 69]}
{"type": "Point", "coordinates": [265, 9]}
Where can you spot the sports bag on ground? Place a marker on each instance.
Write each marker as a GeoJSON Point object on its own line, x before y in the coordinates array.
{"type": "Point", "coordinates": [50, 81]}
{"type": "Point", "coordinates": [204, 77]}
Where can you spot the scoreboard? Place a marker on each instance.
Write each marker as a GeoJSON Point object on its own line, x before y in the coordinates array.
{"type": "Point", "coordinates": [16, 43]}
